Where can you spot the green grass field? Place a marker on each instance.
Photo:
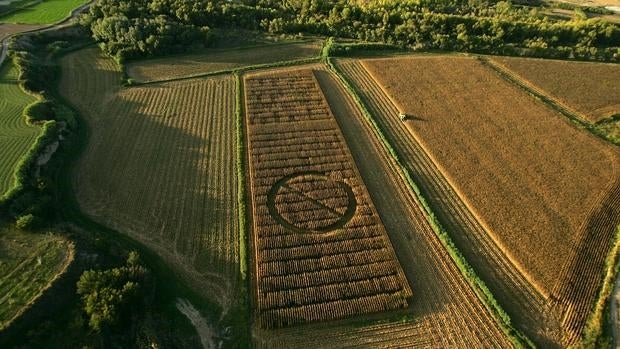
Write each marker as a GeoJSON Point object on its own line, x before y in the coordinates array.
{"type": "Point", "coordinates": [16, 136]}
{"type": "Point", "coordinates": [44, 12]}
{"type": "Point", "coordinates": [28, 263]}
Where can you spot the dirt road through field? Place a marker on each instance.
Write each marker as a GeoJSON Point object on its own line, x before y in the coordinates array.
{"type": "Point", "coordinates": [207, 336]}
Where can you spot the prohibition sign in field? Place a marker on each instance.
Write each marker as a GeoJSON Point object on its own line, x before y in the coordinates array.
{"type": "Point", "coordinates": [311, 202]}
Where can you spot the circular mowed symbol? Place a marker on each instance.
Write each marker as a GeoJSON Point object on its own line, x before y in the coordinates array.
{"type": "Point", "coordinates": [311, 202]}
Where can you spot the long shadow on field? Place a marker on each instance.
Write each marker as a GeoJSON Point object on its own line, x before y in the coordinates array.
{"type": "Point", "coordinates": [162, 172]}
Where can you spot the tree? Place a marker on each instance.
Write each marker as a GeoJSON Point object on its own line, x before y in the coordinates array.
{"type": "Point", "coordinates": [107, 294]}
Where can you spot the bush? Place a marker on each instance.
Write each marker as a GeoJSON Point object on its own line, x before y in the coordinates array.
{"type": "Point", "coordinates": [109, 294]}
{"type": "Point", "coordinates": [27, 222]}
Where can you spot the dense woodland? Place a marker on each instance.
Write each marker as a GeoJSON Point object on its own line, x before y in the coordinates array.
{"type": "Point", "coordinates": [133, 28]}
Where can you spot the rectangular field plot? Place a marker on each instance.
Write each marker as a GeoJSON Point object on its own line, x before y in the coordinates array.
{"type": "Point", "coordinates": [321, 251]}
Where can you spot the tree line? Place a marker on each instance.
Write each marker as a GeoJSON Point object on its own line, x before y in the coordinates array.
{"type": "Point", "coordinates": [134, 28]}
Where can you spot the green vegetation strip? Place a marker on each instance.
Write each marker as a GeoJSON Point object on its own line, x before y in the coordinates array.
{"type": "Point", "coordinates": [575, 119]}
{"type": "Point", "coordinates": [241, 182]}
{"type": "Point", "coordinates": [518, 339]}
{"type": "Point", "coordinates": [593, 333]}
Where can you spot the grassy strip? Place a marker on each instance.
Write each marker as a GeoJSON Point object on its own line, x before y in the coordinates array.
{"type": "Point", "coordinates": [231, 71]}
{"type": "Point", "coordinates": [243, 318]}
{"type": "Point", "coordinates": [241, 194]}
{"type": "Point", "coordinates": [575, 119]}
{"type": "Point", "coordinates": [517, 338]}
{"type": "Point", "coordinates": [593, 334]}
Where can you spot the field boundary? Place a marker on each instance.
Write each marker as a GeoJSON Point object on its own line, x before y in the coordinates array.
{"type": "Point", "coordinates": [593, 331]}
{"type": "Point", "coordinates": [241, 182]}
{"type": "Point", "coordinates": [542, 96]}
{"type": "Point", "coordinates": [517, 338]}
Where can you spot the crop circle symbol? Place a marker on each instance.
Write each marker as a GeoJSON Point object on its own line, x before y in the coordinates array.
{"type": "Point", "coordinates": [311, 202]}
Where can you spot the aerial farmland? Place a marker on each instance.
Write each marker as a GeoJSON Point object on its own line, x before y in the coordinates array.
{"type": "Point", "coordinates": [332, 174]}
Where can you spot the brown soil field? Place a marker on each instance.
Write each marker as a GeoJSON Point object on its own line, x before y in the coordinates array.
{"type": "Point", "coordinates": [438, 116]}
{"type": "Point", "coordinates": [8, 29]}
{"type": "Point", "coordinates": [444, 311]}
{"type": "Point", "coordinates": [590, 89]}
{"type": "Point", "coordinates": [321, 251]}
{"type": "Point", "coordinates": [219, 59]}
{"type": "Point", "coordinates": [158, 167]}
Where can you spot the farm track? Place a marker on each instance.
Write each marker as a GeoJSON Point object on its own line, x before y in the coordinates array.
{"type": "Point", "coordinates": [157, 167]}
{"type": "Point", "coordinates": [445, 310]}
{"type": "Point", "coordinates": [528, 309]}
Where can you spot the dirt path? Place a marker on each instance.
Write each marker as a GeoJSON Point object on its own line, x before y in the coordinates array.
{"type": "Point", "coordinates": [206, 333]}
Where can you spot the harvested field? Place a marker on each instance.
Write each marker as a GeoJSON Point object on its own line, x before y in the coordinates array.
{"type": "Point", "coordinates": [16, 136]}
{"type": "Point", "coordinates": [29, 263]}
{"type": "Point", "coordinates": [446, 100]}
{"type": "Point", "coordinates": [220, 59]}
{"type": "Point", "coordinates": [321, 250]}
{"type": "Point", "coordinates": [160, 167]}
{"type": "Point", "coordinates": [590, 89]}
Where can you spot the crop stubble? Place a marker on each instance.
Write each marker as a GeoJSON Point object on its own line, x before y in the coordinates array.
{"type": "Point", "coordinates": [592, 89]}
{"type": "Point", "coordinates": [434, 112]}
{"type": "Point", "coordinates": [298, 159]}
{"type": "Point", "coordinates": [159, 167]}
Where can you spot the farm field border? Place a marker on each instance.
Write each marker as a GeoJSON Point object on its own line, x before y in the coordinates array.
{"type": "Point", "coordinates": [518, 338]}
{"type": "Point", "coordinates": [593, 332]}
{"type": "Point", "coordinates": [569, 113]}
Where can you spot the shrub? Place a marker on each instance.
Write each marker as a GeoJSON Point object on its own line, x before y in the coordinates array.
{"type": "Point", "coordinates": [27, 222]}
